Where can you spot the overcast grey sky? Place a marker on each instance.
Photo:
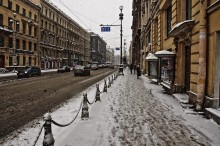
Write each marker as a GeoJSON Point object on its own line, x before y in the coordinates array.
{"type": "Point", "coordinates": [91, 13]}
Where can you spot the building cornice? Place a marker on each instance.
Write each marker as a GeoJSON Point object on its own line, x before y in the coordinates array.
{"type": "Point", "coordinates": [215, 6]}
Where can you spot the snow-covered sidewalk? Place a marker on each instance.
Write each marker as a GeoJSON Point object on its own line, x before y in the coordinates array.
{"type": "Point", "coordinates": [133, 112]}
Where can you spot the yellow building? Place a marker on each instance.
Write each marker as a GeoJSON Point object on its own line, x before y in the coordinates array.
{"type": "Point", "coordinates": [185, 35]}
{"type": "Point", "coordinates": [19, 37]}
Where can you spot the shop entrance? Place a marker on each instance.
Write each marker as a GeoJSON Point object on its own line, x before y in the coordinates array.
{"type": "Point", "coordinates": [187, 68]}
{"type": "Point", "coordinates": [2, 61]}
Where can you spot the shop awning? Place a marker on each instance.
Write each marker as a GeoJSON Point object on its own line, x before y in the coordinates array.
{"type": "Point", "coordinates": [181, 27]}
{"type": "Point", "coordinates": [151, 57]}
{"type": "Point", "coordinates": [165, 53]}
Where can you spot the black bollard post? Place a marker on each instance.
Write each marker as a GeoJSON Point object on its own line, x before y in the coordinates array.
{"type": "Point", "coordinates": [48, 136]}
{"type": "Point", "coordinates": [97, 95]}
{"type": "Point", "coordinates": [112, 79]}
{"type": "Point", "coordinates": [105, 86]}
{"type": "Point", "coordinates": [85, 107]}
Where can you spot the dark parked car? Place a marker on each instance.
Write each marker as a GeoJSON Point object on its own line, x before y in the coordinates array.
{"type": "Point", "coordinates": [64, 69]}
{"type": "Point", "coordinates": [81, 70]}
{"type": "Point", "coordinates": [30, 71]}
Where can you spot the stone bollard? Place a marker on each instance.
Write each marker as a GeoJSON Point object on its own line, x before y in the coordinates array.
{"type": "Point", "coordinates": [105, 86]}
{"type": "Point", "coordinates": [112, 79]}
{"type": "Point", "coordinates": [109, 82]}
{"type": "Point", "coordinates": [97, 95]}
{"type": "Point", "coordinates": [48, 136]}
{"type": "Point", "coordinates": [85, 107]}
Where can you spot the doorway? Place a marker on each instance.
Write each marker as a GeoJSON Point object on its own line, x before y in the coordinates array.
{"type": "Point", "coordinates": [2, 61]}
{"type": "Point", "coordinates": [187, 68]}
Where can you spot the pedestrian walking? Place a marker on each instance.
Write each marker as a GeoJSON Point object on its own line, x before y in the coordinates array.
{"type": "Point", "coordinates": [138, 71]}
{"type": "Point", "coordinates": [134, 68]}
{"type": "Point", "coordinates": [131, 67]}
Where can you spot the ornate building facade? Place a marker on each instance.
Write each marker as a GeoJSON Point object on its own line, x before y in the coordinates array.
{"type": "Point", "coordinates": [184, 35]}
{"type": "Point", "coordinates": [19, 33]}
{"type": "Point", "coordinates": [63, 41]}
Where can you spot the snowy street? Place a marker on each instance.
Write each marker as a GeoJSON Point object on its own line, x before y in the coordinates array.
{"type": "Point", "coordinates": [134, 112]}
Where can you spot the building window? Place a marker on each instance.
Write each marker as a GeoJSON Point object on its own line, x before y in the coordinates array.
{"type": "Point", "coordinates": [10, 42]}
{"type": "Point", "coordinates": [42, 24]}
{"type": "Point", "coordinates": [35, 17]}
{"type": "Point", "coordinates": [24, 60]}
{"type": "Point", "coordinates": [1, 20]}
{"type": "Point", "coordinates": [1, 41]}
{"type": "Point", "coordinates": [169, 18]}
{"type": "Point", "coordinates": [17, 9]}
{"type": "Point", "coordinates": [30, 15]}
{"type": "Point", "coordinates": [17, 26]}
{"type": "Point", "coordinates": [24, 45]}
{"type": "Point", "coordinates": [30, 46]}
{"type": "Point", "coordinates": [10, 22]}
{"type": "Point", "coordinates": [17, 44]}
{"type": "Point", "coordinates": [24, 28]}
{"type": "Point", "coordinates": [1, 2]}
{"type": "Point", "coordinates": [9, 4]}
{"type": "Point", "coordinates": [24, 12]}
{"type": "Point", "coordinates": [35, 47]}
{"type": "Point", "coordinates": [30, 30]}
{"type": "Point", "coordinates": [188, 9]}
{"type": "Point", "coordinates": [35, 31]}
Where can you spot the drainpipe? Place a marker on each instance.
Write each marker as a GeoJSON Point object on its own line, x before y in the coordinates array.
{"type": "Point", "coordinates": [202, 56]}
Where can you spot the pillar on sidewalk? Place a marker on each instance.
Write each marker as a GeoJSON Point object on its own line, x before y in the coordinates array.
{"type": "Point", "coordinates": [105, 86]}
{"type": "Point", "coordinates": [85, 107]}
{"type": "Point", "coordinates": [97, 95]}
{"type": "Point", "coordinates": [48, 136]}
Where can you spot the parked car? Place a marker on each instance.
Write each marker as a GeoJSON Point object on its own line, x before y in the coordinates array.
{"type": "Point", "coordinates": [30, 71]}
{"type": "Point", "coordinates": [94, 67]}
{"type": "Point", "coordinates": [81, 70]}
{"type": "Point", "coordinates": [3, 70]}
{"type": "Point", "coordinates": [64, 68]}
{"type": "Point", "coordinates": [88, 66]}
{"type": "Point", "coordinates": [111, 66]}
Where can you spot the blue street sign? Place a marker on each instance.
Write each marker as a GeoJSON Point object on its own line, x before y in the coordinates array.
{"type": "Point", "coordinates": [105, 29]}
{"type": "Point", "coordinates": [117, 48]}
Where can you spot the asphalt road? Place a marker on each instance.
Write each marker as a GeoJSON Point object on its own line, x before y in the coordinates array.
{"type": "Point", "coordinates": [22, 101]}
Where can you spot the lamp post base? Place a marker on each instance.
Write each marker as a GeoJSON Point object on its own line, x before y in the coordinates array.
{"type": "Point", "coordinates": [120, 70]}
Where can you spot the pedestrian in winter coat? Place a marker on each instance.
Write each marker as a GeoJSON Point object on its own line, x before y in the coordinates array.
{"type": "Point", "coordinates": [138, 71]}
{"type": "Point", "coordinates": [135, 68]}
{"type": "Point", "coordinates": [131, 67]}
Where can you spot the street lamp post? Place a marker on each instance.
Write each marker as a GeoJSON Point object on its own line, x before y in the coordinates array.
{"type": "Point", "coordinates": [14, 39]}
{"type": "Point", "coordinates": [121, 18]}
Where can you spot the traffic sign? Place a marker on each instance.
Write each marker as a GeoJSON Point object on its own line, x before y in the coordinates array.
{"type": "Point", "coordinates": [105, 29]}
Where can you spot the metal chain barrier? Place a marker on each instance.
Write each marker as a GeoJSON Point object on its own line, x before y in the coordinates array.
{"type": "Point", "coordinates": [48, 136]}
{"type": "Point", "coordinates": [64, 125]}
{"type": "Point", "coordinates": [39, 133]}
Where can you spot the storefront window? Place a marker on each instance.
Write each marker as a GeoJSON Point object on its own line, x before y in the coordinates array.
{"type": "Point", "coordinates": [167, 69]}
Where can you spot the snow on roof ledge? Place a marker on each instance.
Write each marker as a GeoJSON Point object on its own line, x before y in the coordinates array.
{"type": "Point", "coordinates": [165, 53]}
{"type": "Point", "coordinates": [151, 57]}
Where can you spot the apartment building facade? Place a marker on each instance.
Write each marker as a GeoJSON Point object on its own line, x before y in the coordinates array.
{"type": "Point", "coordinates": [63, 41]}
{"type": "Point", "coordinates": [98, 48]}
{"type": "Point", "coordinates": [184, 35]}
{"type": "Point", "coordinates": [19, 33]}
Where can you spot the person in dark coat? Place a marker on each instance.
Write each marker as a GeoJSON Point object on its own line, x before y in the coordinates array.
{"type": "Point", "coordinates": [131, 67]}
{"type": "Point", "coordinates": [138, 71]}
{"type": "Point", "coordinates": [135, 67]}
